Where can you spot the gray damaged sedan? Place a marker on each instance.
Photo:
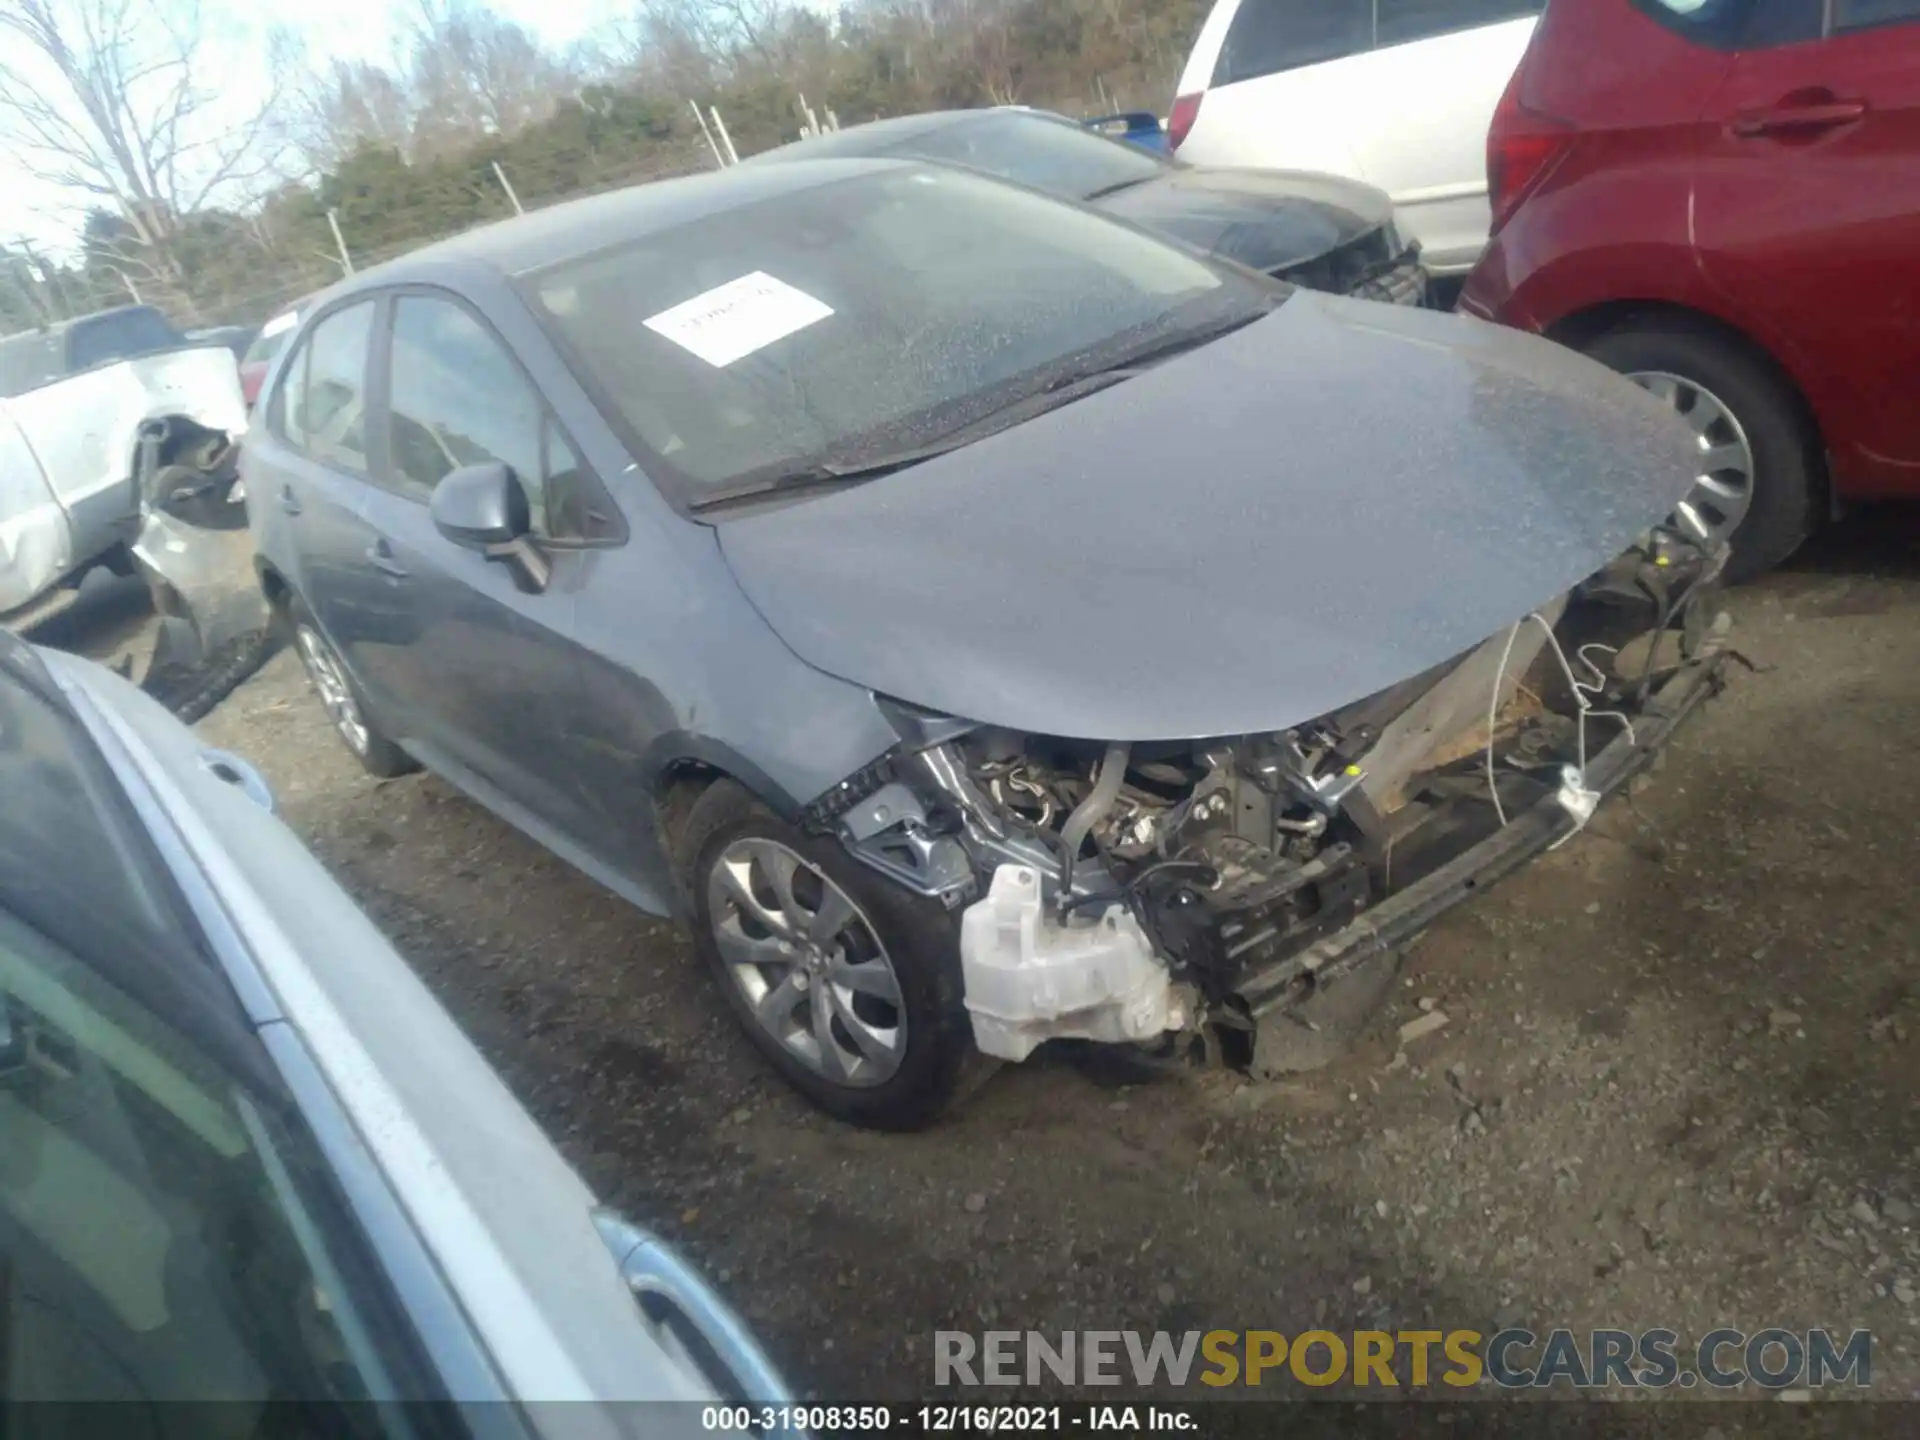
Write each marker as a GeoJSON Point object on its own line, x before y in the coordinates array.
{"type": "Point", "coordinates": [985, 623]}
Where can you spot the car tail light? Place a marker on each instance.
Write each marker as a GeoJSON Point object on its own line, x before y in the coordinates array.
{"type": "Point", "coordinates": [1523, 147]}
{"type": "Point", "coordinates": [1186, 110]}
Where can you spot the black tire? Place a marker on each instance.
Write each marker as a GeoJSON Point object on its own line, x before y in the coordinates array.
{"type": "Point", "coordinates": [921, 941]}
{"type": "Point", "coordinates": [1788, 488]}
{"type": "Point", "coordinates": [193, 694]}
{"type": "Point", "coordinates": [379, 756]}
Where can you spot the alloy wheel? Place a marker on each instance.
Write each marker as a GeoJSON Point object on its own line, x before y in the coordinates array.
{"type": "Point", "coordinates": [808, 963]}
{"type": "Point", "coordinates": [330, 680]}
{"type": "Point", "coordinates": [1723, 486]}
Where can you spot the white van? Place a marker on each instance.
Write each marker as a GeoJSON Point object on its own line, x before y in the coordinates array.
{"type": "Point", "coordinates": [1398, 93]}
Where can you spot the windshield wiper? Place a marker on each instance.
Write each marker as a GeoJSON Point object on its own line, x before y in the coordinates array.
{"type": "Point", "coordinates": [1181, 341]}
{"type": "Point", "coordinates": [1064, 390]}
{"type": "Point", "coordinates": [827, 474]}
{"type": "Point", "coordinates": [1114, 189]}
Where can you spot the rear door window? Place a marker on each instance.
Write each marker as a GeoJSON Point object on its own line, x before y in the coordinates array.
{"type": "Point", "coordinates": [1866, 14]}
{"type": "Point", "coordinates": [119, 335]}
{"type": "Point", "coordinates": [1268, 36]}
{"type": "Point", "coordinates": [322, 404]}
{"type": "Point", "coordinates": [1397, 22]}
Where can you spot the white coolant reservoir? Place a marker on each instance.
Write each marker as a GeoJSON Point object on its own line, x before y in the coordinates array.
{"type": "Point", "coordinates": [1031, 977]}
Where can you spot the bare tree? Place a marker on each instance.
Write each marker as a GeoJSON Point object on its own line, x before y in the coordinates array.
{"type": "Point", "coordinates": [350, 104]}
{"type": "Point", "coordinates": [123, 101]}
{"type": "Point", "coordinates": [751, 27]}
{"type": "Point", "coordinates": [691, 45]}
{"type": "Point", "coordinates": [474, 73]}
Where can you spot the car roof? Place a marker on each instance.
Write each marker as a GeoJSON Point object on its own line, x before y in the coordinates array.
{"type": "Point", "coordinates": [872, 135]}
{"type": "Point", "coordinates": [568, 231]}
{"type": "Point", "coordinates": [61, 327]}
{"type": "Point", "coordinates": [879, 135]}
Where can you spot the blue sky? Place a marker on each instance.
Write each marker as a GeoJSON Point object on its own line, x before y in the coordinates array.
{"type": "Point", "coordinates": [345, 29]}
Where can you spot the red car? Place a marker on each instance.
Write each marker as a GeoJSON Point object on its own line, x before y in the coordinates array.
{"type": "Point", "coordinates": [271, 340]}
{"type": "Point", "coordinates": [1721, 199]}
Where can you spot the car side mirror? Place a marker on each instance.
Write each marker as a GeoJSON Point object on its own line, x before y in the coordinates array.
{"type": "Point", "coordinates": [484, 508]}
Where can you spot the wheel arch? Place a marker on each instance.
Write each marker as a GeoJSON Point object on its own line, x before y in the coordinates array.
{"type": "Point", "coordinates": [1581, 328]}
{"type": "Point", "coordinates": [273, 584]}
{"type": "Point", "coordinates": [681, 767]}
{"type": "Point", "coordinates": [684, 759]}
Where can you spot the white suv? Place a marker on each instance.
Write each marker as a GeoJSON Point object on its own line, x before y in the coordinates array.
{"type": "Point", "coordinates": [1398, 93]}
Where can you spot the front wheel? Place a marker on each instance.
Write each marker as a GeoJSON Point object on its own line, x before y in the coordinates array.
{"type": "Point", "coordinates": [847, 984]}
{"type": "Point", "coordinates": [1759, 484]}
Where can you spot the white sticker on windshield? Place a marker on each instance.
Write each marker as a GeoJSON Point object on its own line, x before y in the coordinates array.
{"type": "Point", "coordinates": [738, 318]}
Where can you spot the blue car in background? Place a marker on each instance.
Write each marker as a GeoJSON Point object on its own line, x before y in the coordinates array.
{"type": "Point", "coordinates": [1136, 127]}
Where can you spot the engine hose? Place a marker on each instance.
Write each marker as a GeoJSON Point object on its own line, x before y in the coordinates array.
{"type": "Point", "coordinates": [1087, 814]}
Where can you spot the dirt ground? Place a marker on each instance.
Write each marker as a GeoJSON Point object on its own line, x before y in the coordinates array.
{"type": "Point", "coordinates": [1676, 1086]}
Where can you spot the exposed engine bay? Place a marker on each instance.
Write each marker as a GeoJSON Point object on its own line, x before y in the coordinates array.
{"type": "Point", "coordinates": [1178, 893]}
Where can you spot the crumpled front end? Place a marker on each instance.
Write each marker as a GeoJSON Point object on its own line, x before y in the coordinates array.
{"type": "Point", "coordinates": [1201, 897]}
{"type": "Point", "coordinates": [196, 553]}
{"type": "Point", "coordinates": [1378, 266]}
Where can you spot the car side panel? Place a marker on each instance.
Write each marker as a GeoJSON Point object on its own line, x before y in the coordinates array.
{"type": "Point", "coordinates": [1611, 225]}
{"type": "Point", "coordinates": [1818, 232]}
{"type": "Point", "coordinates": [1352, 117]}
{"type": "Point", "coordinates": [480, 672]}
{"type": "Point", "coordinates": [676, 667]}
{"type": "Point", "coordinates": [320, 512]}
{"type": "Point", "coordinates": [1611, 221]}
{"type": "Point", "coordinates": [1421, 133]}
{"type": "Point", "coordinates": [36, 538]}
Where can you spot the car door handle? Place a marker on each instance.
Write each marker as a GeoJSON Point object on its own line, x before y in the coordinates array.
{"type": "Point", "coordinates": [656, 1273]}
{"type": "Point", "coordinates": [289, 502]}
{"type": "Point", "coordinates": [380, 556]}
{"type": "Point", "coordinates": [230, 769]}
{"type": "Point", "coordinates": [1786, 119]}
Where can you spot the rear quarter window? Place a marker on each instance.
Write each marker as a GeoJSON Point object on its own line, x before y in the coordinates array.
{"type": "Point", "coordinates": [1865, 14]}
{"type": "Point", "coordinates": [1738, 24]}
{"type": "Point", "coordinates": [123, 335]}
{"type": "Point", "coordinates": [1271, 36]}
{"type": "Point", "coordinates": [27, 362]}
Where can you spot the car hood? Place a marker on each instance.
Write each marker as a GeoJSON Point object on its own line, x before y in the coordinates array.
{"type": "Point", "coordinates": [1264, 219]}
{"type": "Point", "coordinates": [1328, 501]}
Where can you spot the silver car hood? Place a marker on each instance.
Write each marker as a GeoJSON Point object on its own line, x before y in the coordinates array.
{"type": "Point", "coordinates": [1314, 507]}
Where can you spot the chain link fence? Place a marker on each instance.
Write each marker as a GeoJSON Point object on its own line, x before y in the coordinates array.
{"type": "Point", "coordinates": [281, 281]}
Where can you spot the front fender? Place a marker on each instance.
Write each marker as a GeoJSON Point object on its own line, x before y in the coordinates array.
{"type": "Point", "coordinates": [681, 747]}
{"type": "Point", "coordinates": [201, 574]}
